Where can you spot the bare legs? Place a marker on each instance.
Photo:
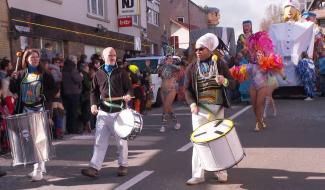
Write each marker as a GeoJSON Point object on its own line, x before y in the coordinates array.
{"type": "Point", "coordinates": [258, 103]}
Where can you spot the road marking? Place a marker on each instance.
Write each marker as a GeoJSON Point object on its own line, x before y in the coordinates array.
{"type": "Point", "coordinates": [134, 180]}
{"type": "Point", "coordinates": [190, 144]}
{"type": "Point", "coordinates": [186, 147]}
{"type": "Point", "coordinates": [240, 112]}
{"type": "Point", "coordinates": [315, 178]}
{"type": "Point", "coordinates": [280, 177]}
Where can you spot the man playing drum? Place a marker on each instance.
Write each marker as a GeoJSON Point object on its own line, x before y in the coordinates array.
{"type": "Point", "coordinates": [109, 82]}
{"type": "Point", "coordinates": [203, 85]}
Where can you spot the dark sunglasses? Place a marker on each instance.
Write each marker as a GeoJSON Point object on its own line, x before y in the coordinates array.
{"type": "Point", "coordinates": [199, 49]}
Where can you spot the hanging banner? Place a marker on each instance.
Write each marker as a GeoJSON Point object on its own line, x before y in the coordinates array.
{"type": "Point", "coordinates": [128, 7]}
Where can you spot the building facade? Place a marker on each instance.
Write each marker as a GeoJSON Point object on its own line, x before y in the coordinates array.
{"type": "Point", "coordinates": [75, 27]}
{"type": "Point", "coordinates": [4, 26]}
{"type": "Point", "coordinates": [182, 11]}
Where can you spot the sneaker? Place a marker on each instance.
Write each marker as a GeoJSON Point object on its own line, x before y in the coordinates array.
{"type": "Point", "coordinates": [177, 126]}
{"type": "Point", "coordinates": [38, 176]}
{"type": "Point", "coordinates": [162, 129]}
{"type": "Point", "coordinates": [89, 172]}
{"type": "Point", "coordinates": [173, 116]}
{"type": "Point", "coordinates": [222, 176]}
{"type": "Point", "coordinates": [194, 181]}
{"type": "Point", "coordinates": [33, 173]}
{"type": "Point", "coordinates": [164, 118]}
{"type": "Point", "coordinates": [308, 99]}
{"type": "Point", "coordinates": [122, 171]}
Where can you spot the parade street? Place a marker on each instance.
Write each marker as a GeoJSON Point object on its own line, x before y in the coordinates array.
{"type": "Point", "coordinates": [289, 154]}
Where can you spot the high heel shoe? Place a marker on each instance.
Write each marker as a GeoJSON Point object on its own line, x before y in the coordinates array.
{"type": "Point", "coordinates": [258, 126]}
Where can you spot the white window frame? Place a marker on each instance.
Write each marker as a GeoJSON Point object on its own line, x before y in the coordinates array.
{"type": "Point", "coordinates": [135, 20]}
{"type": "Point", "coordinates": [97, 14]}
{"type": "Point", "coordinates": [153, 17]}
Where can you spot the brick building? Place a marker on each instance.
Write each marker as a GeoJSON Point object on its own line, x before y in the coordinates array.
{"type": "Point", "coordinates": [4, 25]}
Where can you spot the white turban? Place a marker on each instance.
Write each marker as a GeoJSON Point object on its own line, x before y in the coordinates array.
{"type": "Point", "coordinates": [209, 41]}
{"type": "Point", "coordinates": [293, 3]}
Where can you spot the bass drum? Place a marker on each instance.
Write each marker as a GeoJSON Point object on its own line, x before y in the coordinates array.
{"type": "Point", "coordinates": [218, 145]}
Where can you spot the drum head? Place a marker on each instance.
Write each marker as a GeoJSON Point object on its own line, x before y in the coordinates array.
{"type": "Point", "coordinates": [211, 131]}
{"type": "Point", "coordinates": [124, 123]}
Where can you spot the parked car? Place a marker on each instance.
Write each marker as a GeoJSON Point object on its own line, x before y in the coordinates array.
{"type": "Point", "coordinates": [155, 61]}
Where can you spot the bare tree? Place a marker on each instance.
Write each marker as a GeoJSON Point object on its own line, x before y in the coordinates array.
{"type": "Point", "coordinates": [273, 14]}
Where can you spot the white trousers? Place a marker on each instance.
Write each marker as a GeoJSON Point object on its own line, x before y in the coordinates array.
{"type": "Point", "coordinates": [105, 129]}
{"type": "Point", "coordinates": [40, 166]}
{"type": "Point", "coordinates": [198, 120]}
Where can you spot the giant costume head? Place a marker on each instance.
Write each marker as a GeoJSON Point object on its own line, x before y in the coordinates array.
{"type": "Point", "coordinates": [247, 27]}
{"type": "Point", "coordinates": [213, 16]}
{"type": "Point", "coordinates": [291, 10]}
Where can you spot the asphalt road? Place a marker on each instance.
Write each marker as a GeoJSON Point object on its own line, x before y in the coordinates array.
{"type": "Point", "coordinates": [288, 154]}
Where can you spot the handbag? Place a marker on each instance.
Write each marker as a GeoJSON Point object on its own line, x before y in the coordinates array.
{"type": "Point", "coordinates": [226, 100]}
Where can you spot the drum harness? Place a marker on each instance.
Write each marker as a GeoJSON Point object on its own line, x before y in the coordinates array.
{"type": "Point", "coordinates": [108, 101]}
{"type": "Point", "coordinates": [35, 104]}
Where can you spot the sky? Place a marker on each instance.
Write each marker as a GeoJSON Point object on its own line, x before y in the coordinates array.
{"type": "Point", "coordinates": [233, 12]}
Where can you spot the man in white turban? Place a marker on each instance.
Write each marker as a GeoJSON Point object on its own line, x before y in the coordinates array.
{"type": "Point", "coordinates": [205, 80]}
{"type": "Point", "coordinates": [209, 41]}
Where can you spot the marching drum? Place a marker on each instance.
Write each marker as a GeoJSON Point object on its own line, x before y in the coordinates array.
{"type": "Point", "coordinates": [30, 137]}
{"type": "Point", "coordinates": [128, 124]}
{"type": "Point", "coordinates": [218, 145]}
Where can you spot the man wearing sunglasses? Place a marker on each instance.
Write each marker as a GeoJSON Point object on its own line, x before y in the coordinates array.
{"type": "Point", "coordinates": [203, 82]}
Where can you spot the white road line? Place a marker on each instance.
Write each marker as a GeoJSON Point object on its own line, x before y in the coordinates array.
{"type": "Point", "coordinates": [134, 180]}
{"type": "Point", "coordinates": [240, 112]}
{"type": "Point", "coordinates": [186, 147]}
{"type": "Point", "coordinates": [190, 144]}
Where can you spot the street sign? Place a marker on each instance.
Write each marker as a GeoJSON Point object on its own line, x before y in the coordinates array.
{"type": "Point", "coordinates": [125, 22]}
{"type": "Point", "coordinates": [128, 7]}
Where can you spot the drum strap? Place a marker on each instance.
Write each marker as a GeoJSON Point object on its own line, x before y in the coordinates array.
{"type": "Point", "coordinates": [113, 105]}
{"type": "Point", "coordinates": [209, 110]}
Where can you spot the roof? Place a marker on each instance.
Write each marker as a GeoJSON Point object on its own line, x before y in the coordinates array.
{"type": "Point", "coordinates": [184, 25]}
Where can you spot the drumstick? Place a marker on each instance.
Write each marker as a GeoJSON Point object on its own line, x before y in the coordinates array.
{"type": "Point", "coordinates": [18, 54]}
{"type": "Point", "coordinates": [115, 98]}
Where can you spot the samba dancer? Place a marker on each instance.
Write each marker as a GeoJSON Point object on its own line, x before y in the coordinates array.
{"type": "Point", "coordinates": [204, 94]}
{"type": "Point", "coordinates": [264, 65]}
{"type": "Point", "coordinates": [108, 82]}
{"type": "Point", "coordinates": [168, 72]}
{"type": "Point", "coordinates": [35, 88]}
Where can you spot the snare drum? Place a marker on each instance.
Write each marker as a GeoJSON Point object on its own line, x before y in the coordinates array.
{"type": "Point", "coordinates": [128, 124]}
{"type": "Point", "coordinates": [218, 145]}
{"type": "Point", "coordinates": [30, 137]}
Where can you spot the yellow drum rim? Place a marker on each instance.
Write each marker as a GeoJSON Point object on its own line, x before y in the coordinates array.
{"type": "Point", "coordinates": [228, 122]}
